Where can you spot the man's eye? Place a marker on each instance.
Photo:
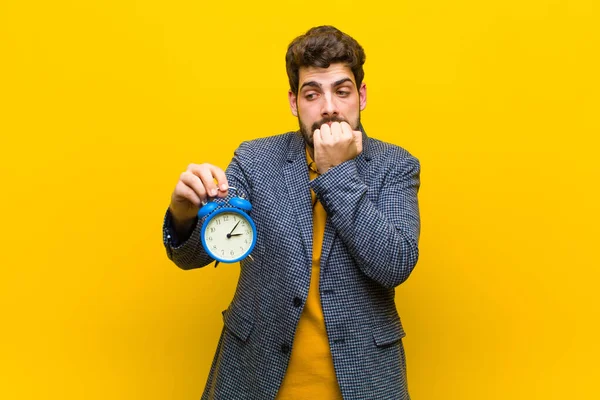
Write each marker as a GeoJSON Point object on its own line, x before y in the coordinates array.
{"type": "Point", "coordinates": [343, 93]}
{"type": "Point", "coordinates": [310, 96]}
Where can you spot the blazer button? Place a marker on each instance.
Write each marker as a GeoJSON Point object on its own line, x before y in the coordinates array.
{"type": "Point", "coordinates": [285, 348]}
{"type": "Point", "coordinates": [297, 302]}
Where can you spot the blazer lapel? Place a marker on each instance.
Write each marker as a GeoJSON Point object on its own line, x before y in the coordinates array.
{"type": "Point", "coordinates": [295, 174]}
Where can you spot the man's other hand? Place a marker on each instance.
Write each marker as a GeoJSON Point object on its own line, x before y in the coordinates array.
{"type": "Point", "coordinates": [335, 144]}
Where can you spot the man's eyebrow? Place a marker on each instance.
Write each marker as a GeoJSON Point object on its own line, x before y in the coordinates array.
{"type": "Point", "coordinates": [318, 85]}
{"type": "Point", "coordinates": [310, 83]}
{"type": "Point", "coordinates": [338, 83]}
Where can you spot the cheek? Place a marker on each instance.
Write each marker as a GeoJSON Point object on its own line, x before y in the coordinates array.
{"type": "Point", "coordinates": [352, 109]}
{"type": "Point", "coordinates": [352, 105]}
{"type": "Point", "coordinates": [307, 112]}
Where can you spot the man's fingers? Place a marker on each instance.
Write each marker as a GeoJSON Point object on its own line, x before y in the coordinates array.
{"type": "Point", "coordinates": [326, 137]}
{"type": "Point", "coordinates": [336, 131]}
{"type": "Point", "coordinates": [207, 175]}
{"type": "Point", "coordinates": [335, 144]}
{"type": "Point", "coordinates": [317, 138]}
{"type": "Point", "coordinates": [222, 184]}
{"type": "Point", "coordinates": [184, 191]}
{"type": "Point", "coordinates": [346, 129]}
{"type": "Point", "coordinates": [208, 181]}
{"type": "Point", "coordinates": [193, 183]}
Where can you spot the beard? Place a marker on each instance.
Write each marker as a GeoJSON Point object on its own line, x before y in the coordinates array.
{"type": "Point", "coordinates": [308, 132]}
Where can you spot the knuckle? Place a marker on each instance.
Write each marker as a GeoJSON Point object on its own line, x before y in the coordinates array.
{"type": "Point", "coordinates": [180, 191]}
{"type": "Point", "coordinates": [193, 197]}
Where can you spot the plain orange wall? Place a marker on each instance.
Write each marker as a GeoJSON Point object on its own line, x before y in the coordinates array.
{"type": "Point", "coordinates": [104, 103]}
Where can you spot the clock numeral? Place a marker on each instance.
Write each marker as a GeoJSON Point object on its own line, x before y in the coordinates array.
{"type": "Point", "coordinates": [226, 218]}
{"type": "Point", "coordinates": [241, 248]}
{"type": "Point", "coordinates": [222, 252]}
{"type": "Point", "coordinates": [246, 241]}
{"type": "Point", "coordinates": [232, 252]}
{"type": "Point", "coordinates": [212, 230]}
{"type": "Point", "coordinates": [210, 238]}
{"type": "Point", "coordinates": [218, 221]}
{"type": "Point", "coordinates": [234, 218]}
{"type": "Point", "coordinates": [214, 247]}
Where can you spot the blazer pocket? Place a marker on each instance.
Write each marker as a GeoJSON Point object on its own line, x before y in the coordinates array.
{"type": "Point", "coordinates": [238, 322]}
{"type": "Point", "coordinates": [388, 333]}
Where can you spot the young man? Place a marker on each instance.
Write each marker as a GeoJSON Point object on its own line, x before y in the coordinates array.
{"type": "Point", "coordinates": [313, 316]}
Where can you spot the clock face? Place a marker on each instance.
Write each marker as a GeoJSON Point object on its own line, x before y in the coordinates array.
{"type": "Point", "coordinates": [228, 236]}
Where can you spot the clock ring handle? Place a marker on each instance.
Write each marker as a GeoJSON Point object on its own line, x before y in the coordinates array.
{"type": "Point", "coordinates": [239, 201]}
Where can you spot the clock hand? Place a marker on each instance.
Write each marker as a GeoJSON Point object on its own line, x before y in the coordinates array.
{"type": "Point", "coordinates": [234, 234]}
{"type": "Point", "coordinates": [229, 234]}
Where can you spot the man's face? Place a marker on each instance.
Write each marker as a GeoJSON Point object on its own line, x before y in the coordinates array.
{"type": "Point", "coordinates": [326, 95]}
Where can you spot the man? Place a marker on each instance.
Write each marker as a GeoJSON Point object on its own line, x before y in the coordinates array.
{"type": "Point", "coordinates": [313, 316]}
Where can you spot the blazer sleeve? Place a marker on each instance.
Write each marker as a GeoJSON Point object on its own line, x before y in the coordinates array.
{"type": "Point", "coordinates": [382, 237]}
{"type": "Point", "coordinates": [188, 253]}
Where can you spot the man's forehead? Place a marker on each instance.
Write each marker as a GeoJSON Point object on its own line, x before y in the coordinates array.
{"type": "Point", "coordinates": [331, 74]}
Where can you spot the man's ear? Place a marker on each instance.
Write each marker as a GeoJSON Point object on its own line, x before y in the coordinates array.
{"type": "Point", "coordinates": [362, 94]}
{"type": "Point", "coordinates": [293, 103]}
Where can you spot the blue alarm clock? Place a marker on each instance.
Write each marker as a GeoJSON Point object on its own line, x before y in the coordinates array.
{"type": "Point", "coordinates": [228, 233]}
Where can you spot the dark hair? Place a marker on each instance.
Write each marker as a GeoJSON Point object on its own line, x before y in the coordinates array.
{"type": "Point", "coordinates": [321, 46]}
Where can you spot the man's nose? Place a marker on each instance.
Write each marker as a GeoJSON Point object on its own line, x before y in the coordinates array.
{"type": "Point", "coordinates": [329, 106]}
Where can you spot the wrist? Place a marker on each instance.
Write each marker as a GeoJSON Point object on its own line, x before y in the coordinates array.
{"type": "Point", "coordinates": [182, 223]}
{"type": "Point", "coordinates": [324, 168]}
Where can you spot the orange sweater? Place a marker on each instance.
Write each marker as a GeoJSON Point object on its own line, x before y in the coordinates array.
{"type": "Point", "coordinates": [310, 374]}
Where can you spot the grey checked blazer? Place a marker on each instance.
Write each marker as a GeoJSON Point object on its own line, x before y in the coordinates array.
{"type": "Point", "coordinates": [370, 246]}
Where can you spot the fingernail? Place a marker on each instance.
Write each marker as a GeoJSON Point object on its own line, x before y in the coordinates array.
{"type": "Point", "coordinates": [223, 187]}
{"type": "Point", "coordinates": [213, 192]}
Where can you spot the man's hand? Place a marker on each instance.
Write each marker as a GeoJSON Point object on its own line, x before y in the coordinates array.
{"type": "Point", "coordinates": [196, 185]}
{"type": "Point", "coordinates": [335, 144]}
